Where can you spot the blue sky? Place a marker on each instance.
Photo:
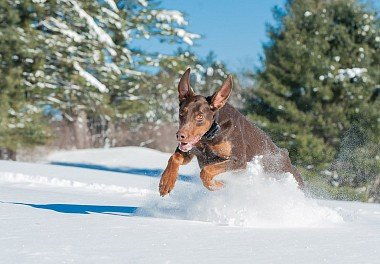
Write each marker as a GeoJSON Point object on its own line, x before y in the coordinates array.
{"type": "Point", "coordinates": [233, 29]}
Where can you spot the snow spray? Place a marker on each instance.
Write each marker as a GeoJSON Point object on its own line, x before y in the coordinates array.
{"type": "Point", "coordinates": [250, 198]}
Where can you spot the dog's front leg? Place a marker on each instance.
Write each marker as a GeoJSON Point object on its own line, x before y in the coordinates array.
{"type": "Point", "coordinates": [209, 172]}
{"type": "Point", "coordinates": [169, 176]}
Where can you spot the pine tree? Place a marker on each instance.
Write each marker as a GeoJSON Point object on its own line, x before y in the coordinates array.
{"type": "Point", "coordinates": [21, 122]}
{"type": "Point", "coordinates": [321, 68]}
{"type": "Point", "coordinates": [88, 65]}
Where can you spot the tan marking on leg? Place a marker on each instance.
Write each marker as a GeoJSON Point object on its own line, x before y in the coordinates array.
{"type": "Point", "coordinates": [209, 172]}
{"type": "Point", "coordinates": [222, 149]}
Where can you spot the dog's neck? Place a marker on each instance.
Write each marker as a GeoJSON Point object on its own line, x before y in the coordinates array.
{"type": "Point", "coordinates": [214, 129]}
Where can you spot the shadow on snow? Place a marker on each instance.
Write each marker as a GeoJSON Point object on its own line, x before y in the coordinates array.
{"type": "Point", "coordinates": [84, 208]}
{"type": "Point", "coordinates": [102, 209]}
{"type": "Point", "coordinates": [137, 171]}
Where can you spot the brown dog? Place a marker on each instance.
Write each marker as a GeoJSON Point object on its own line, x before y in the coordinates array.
{"type": "Point", "coordinates": [220, 137]}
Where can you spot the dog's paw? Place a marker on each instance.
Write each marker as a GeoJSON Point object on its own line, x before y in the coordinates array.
{"type": "Point", "coordinates": [167, 183]}
{"type": "Point", "coordinates": [217, 185]}
{"type": "Point", "coordinates": [214, 185]}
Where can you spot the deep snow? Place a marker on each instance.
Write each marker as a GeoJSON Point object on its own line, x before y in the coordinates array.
{"type": "Point", "coordinates": [103, 206]}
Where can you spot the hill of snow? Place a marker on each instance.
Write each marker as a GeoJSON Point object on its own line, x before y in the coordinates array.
{"type": "Point", "coordinates": [103, 206]}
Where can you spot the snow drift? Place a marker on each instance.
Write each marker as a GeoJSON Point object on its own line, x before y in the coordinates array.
{"type": "Point", "coordinates": [51, 214]}
{"type": "Point", "coordinates": [250, 198]}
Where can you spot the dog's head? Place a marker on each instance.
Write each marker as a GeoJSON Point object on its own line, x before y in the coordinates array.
{"type": "Point", "coordinates": [196, 112]}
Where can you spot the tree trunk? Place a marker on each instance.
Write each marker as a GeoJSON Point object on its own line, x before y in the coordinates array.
{"type": "Point", "coordinates": [79, 129]}
{"type": "Point", "coordinates": [7, 154]}
{"type": "Point", "coordinates": [75, 131]}
{"type": "Point", "coordinates": [374, 191]}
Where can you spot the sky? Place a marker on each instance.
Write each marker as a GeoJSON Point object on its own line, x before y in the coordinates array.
{"type": "Point", "coordinates": [233, 29]}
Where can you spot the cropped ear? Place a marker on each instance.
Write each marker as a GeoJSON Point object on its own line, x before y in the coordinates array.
{"type": "Point", "coordinates": [220, 98]}
{"type": "Point", "coordinates": [184, 89]}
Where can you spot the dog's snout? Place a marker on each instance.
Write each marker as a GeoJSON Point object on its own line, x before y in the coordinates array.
{"type": "Point", "coordinates": [181, 136]}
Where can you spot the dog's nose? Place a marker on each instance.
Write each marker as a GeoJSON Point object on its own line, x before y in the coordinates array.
{"type": "Point", "coordinates": [180, 136]}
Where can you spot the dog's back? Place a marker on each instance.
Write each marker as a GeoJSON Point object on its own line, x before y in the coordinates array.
{"type": "Point", "coordinates": [248, 141]}
{"type": "Point", "coordinates": [252, 140]}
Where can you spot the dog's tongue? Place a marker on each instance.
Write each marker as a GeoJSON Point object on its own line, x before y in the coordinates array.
{"type": "Point", "coordinates": [185, 147]}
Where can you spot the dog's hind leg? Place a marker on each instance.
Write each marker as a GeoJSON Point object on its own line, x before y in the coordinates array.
{"type": "Point", "coordinates": [297, 176]}
{"type": "Point", "coordinates": [209, 172]}
{"type": "Point", "coordinates": [288, 167]}
{"type": "Point", "coordinates": [281, 163]}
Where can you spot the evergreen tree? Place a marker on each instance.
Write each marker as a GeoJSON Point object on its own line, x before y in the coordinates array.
{"type": "Point", "coordinates": [21, 66]}
{"type": "Point", "coordinates": [92, 66]}
{"type": "Point", "coordinates": [81, 55]}
{"type": "Point", "coordinates": [320, 70]}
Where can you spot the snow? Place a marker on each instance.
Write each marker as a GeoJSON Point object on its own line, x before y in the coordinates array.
{"type": "Point", "coordinates": [345, 74]}
{"type": "Point", "coordinates": [186, 36]}
{"type": "Point", "coordinates": [112, 4]}
{"type": "Point", "coordinates": [350, 73]}
{"type": "Point", "coordinates": [170, 16]}
{"type": "Point", "coordinates": [94, 28]}
{"type": "Point", "coordinates": [307, 13]}
{"type": "Point", "coordinates": [55, 25]}
{"type": "Point", "coordinates": [210, 71]}
{"type": "Point", "coordinates": [90, 78]}
{"type": "Point", "coordinates": [102, 206]}
{"type": "Point", "coordinates": [257, 205]}
{"type": "Point", "coordinates": [81, 186]}
{"type": "Point", "coordinates": [143, 3]}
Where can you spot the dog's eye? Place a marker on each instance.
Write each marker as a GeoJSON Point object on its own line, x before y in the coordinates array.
{"type": "Point", "coordinates": [199, 117]}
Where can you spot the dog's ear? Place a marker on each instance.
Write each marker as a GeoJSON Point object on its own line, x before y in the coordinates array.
{"type": "Point", "coordinates": [184, 89]}
{"type": "Point", "coordinates": [219, 99]}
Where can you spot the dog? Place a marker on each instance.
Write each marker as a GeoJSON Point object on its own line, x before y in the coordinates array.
{"type": "Point", "coordinates": [221, 138]}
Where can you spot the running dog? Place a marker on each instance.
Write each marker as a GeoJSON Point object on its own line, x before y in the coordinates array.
{"type": "Point", "coordinates": [220, 137]}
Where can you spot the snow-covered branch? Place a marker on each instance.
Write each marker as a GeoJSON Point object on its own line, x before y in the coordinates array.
{"type": "Point", "coordinates": [90, 78]}
{"type": "Point", "coordinates": [97, 31]}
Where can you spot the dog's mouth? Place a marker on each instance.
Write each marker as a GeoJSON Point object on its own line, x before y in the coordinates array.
{"type": "Point", "coordinates": [187, 146]}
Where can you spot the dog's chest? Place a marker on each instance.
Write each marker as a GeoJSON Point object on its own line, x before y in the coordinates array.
{"type": "Point", "coordinates": [211, 153]}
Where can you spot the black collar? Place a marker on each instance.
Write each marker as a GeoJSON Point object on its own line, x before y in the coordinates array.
{"type": "Point", "coordinates": [212, 132]}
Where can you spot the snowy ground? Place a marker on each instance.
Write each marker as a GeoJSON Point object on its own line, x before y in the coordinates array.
{"type": "Point", "coordinates": [102, 206]}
